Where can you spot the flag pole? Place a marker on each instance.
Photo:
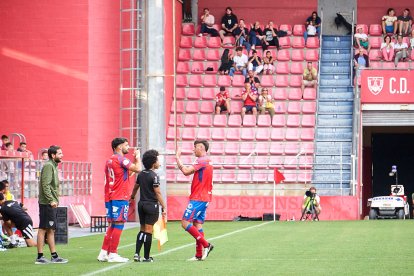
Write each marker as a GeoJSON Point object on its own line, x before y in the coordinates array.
{"type": "Point", "coordinates": [274, 199]}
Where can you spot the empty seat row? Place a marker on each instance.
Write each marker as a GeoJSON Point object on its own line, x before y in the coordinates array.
{"type": "Point", "coordinates": [374, 29]}
{"type": "Point", "coordinates": [390, 65]}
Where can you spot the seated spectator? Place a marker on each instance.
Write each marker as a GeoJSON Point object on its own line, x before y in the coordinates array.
{"type": "Point", "coordinates": [271, 39]}
{"type": "Point", "coordinates": [13, 215]}
{"type": "Point", "coordinates": [249, 97]}
{"type": "Point", "coordinates": [387, 49]}
{"type": "Point", "coordinates": [223, 101]}
{"type": "Point", "coordinates": [253, 80]}
{"type": "Point", "coordinates": [226, 62]}
{"type": "Point", "coordinates": [400, 50]}
{"type": "Point", "coordinates": [255, 63]}
{"type": "Point", "coordinates": [256, 35]}
{"type": "Point", "coordinates": [412, 41]}
{"type": "Point", "coordinates": [5, 190]}
{"type": "Point", "coordinates": [4, 141]}
{"type": "Point", "coordinates": [404, 23]}
{"type": "Point", "coordinates": [240, 63]}
{"type": "Point", "coordinates": [361, 61]}
{"type": "Point", "coordinates": [268, 61]}
{"type": "Point", "coordinates": [207, 22]}
{"type": "Point", "coordinates": [228, 23]}
{"type": "Point", "coordinates": [241, 33]}
{"type": "Point", "coordinates": [266, 103]}
{"type": "Point", "coordinates": [310, 76]}
{"type": "Point", "coordinates": [315, 21]}
{"type": "Point", "coordinates": [389, 22]}
{"type": "Point", "coordinates": [23, 148]}
{"type": "Point", "coordinates": [361, 39]}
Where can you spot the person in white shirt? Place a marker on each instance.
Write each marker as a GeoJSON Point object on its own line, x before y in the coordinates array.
{"type": "Point", "coordinates": [400, 49]}
{"type": "Point", "coordinates": [316, 200]}
{"type": "Point", "coordinates": [266, 103]}
{"type": "Point", "coordinates": [361, 39]}
{"type": "Point", "coordinates": [389, 22]}
{"type": "Point", "coordinates": [207, 22]}
{"type": "Point", "coordinates": [311, 29]}
{"type": "Point", "coordinates": [387, 49]}
{"type": "Point", "coordinates": [240, 63]}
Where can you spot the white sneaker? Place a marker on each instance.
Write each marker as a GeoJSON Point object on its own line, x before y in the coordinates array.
{"type": "Point", "coordinates": [200, 34]}
{"type": "Point", "coordinates": [103, 256]}
{"type": "Point", "coordinates": [194, 259]}
{"type": "Point", "coordinates": [115, 258]}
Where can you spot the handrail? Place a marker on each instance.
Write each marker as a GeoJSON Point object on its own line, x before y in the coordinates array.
{"type": "Point", "coordinates": [319, 80]}
{"type": "Point", "coordinates": [352, 49]}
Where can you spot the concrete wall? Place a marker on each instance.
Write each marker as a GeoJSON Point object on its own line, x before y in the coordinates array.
{"type": "Point", "coordinates": [330, 8]}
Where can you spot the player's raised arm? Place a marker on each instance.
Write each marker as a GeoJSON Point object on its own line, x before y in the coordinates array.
{"type": "Point", "coordinates": [186, 170]}
{"type": "Point", "coordinates": [136, 165]}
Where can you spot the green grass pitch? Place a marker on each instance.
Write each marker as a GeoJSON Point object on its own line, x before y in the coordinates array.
{"type": "Point", "coordinates": [249, 248]}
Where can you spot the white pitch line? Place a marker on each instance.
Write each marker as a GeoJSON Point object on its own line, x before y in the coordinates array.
{"type": "Point", "coordinates": [175, 249]}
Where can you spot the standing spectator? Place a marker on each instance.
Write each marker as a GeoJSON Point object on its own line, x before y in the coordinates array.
{"type": "Point", "coordinates": [207, 22]}
{"type": "Point", "coordinates": [150, 200]}
{"type": "Point", "coordinates": [226, 62]}
{"type": "Point", "coordinates": [389, 22]}
{"type": "Point", "coordinates": [223, 101]}
{"type": "Point", "coordinates": [361, 39]}
{"type": "Point", "coordinates": [4, 141]}
{"type": "Point", "coordinates": [240, 63]}
{"type": "Point", "coordinates": [387, 49]}
{"type": "Point", "coordinates": [228, 23]}
{"type": "Point", "coordinates": [361, 61]}
{"type": "Point", "coordinates": [48, 203]}
{"type": "Point", "coordinates": [256, 35]}
{"type": "Point", "coordinates": [400, 49]}
{"type": "Point", "coordinates": [253, 80]}
{"type": "Point", "coordinates": [271, 38]}
{"type": "Point", "coordinates": [268, 61]}
{"type": "Point", "coordinates": [404, 23]}
{"type": "Point", "coordinates": [255, 63]}
{"type": "Point", "coordinates": [241, 33]}
{"type": "Point", "coordinates": [249, 97]}
{"type": "Point", "coordinates": [310, 76]}
{"type": "Point", "coordinates": [315, 21]}
{"type": "Point", "coordinates": [266, 103]}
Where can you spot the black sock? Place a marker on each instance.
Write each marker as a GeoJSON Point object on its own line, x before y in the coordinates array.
{"type": "Point", "coordinates": [147, 246]}
{"type": "Point", "coordinates": [39, 255]}
{"type": "Point", "coordinates": [54, 255]}
{"type": "Point", "coordinates": [140, 241]}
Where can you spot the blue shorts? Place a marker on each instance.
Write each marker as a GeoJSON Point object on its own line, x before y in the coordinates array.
{"type": "Point", "coordinates": [249, 108]}
{"type": "Point", "coordinates": [195, 211]}
{"type": "Point", "coordinates": [389, 29]}
{"type": "Point", "coordinates": [108, 209]}
{"type": "Point", "coordinates": [119, 210]}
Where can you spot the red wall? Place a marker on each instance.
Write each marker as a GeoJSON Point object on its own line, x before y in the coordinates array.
{"type": "Point", "coordinates": [371, 11]}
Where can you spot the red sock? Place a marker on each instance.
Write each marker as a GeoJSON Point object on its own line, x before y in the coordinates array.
{"type": "Point", "coordinates": [194, 232]}
{"type": "Point", "coordinates": [199, 246]}
{"type": "Point", "coordinates": [107, 239]}
{"type": "Point", "coordinates": [116, 236]}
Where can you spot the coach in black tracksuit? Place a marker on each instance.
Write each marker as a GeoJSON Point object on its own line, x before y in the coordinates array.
{"type": "Point", "coordinates": [148, 205]}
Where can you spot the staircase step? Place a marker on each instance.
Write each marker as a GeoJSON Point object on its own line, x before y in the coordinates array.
{"type": "Point", "coordinates": [334, 76]}
{"type": "Point", "coordinates": [335, 57]}
{"type": "Point", "coordinates": [335, 107]}
{"type": "Point", "coordinates": [336, 69]}
{"type": "Point", "coordinates": [335, 63]}
{"type": "Point", "coordinates": [345, 137]}
{"type": "Point", "coordinates": [336, 38]}
{"type": "Point", "coordinates": [335, 82]}
{"type": "Point", "coordinates": [326, 44]}
{"type": "Point", "coordinates": [336, 89]}
{"type": "Point", "coordinates": [336, 51]}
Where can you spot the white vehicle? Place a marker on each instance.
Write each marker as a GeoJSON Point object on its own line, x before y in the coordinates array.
{"type": "Point", "coordinates": [393, 206]}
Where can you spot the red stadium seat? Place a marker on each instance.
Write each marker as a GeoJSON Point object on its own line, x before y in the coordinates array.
{"type": "Point", "coordinates": [291, 162]}
{"type": "Point", "coordinates": [181, 178]}
{"type": "Point", "coordinates": [231, 148]}
{"type": "Point", "coordinates": [295, 81]}
{"type": "Point", "coordinates": [200, 42]}
{"type": "Point", "coordinates": [276, 161]}
{"type": "Point", "coordinates": [235, 93]}
{"type": "Point", "coordinates": [184, 55]}
{"type": "Point", "coordinates": [298, 55]}
{"type": "Point", "coordinates": [204, 134]}
{"type": "Point", "coordinates": [230, 162]}
{"type": "Point", "coordinates": [261, 162]}
{"type": "Point", "coordinates": [196, 80]}
{"type": "Point", "coordinates": [305, 177]}
{"type": "Point", "coordinates": [281, 81]}
{"type": "Point", "coordinates": [217, 162]}
{"type": "Point", "coordinates": [247, 134]}
{"type": "Point", "coordinates": [181, 80]}
{"type": "Point", "coordinates": [297, 68]}
{"type": "Point", "coordinates": [264, 120]}
{"type": "Point", "coordinates": [207, 107]}
{"type": "Point", "coordinates": [188, 134]}
{"type": "Point", "coordinates": [276, 148]}
{"type": "Point", "coordinates": [283, 55]}
{"type": "Point", "coordinates": [293, 120]}
{"type": "Point", "coordinates": [213, 65]}
{"type": "Point", "coordinates": [262, 148]}
{"type": "Point", "coordinates": [305, 162]}
{"type": "Point", "coordinates": [308, 120]}
{"type": "Point", "coordinates": [235, 120]}
{"type": "Point", "coordinates": [220, 120]}
{"type": "Point", "coordinates": [309, 107]}
{"type": "Point", "coordinates": [375, 42]}
{"type": "Point", "coordinates": [261, 176]}
{"type": "Point", "coordinates": [263, 134]}
{"type": "Point", "coordinates": [193, 93]}
{"type": "Point", "coordinates": [249, 120]}
{"type": "Point", "coordinates": [247, 148]}
{"type": "Point", "coordinates": [309, 93]}
{"type": "Point", "coordinates": [280, 94]}
{"type": "Point", "coordinates": [388, 65]}
{"type": "Point", "coordinates": [180, 93]}
{"type": "Point", "coordinates": [312, 42]}
{"type": "Point", "coordinates": [224, 81]}
{"type": "Point", "coordinates": [178, 121]}
{"type": "Point", "coordinates": [233, 134]}
{"type": "Point", "coordinates": [171, 134]}
{"type": "Point", "coordinates": [287, 28]}
{"type": "Point", "coordinates": [170, 162]}
{"type": "Point", "coordinates": [312, 55]}
{"type": "Point", "coordinates": [298, 42]}
{"type": "Point", "coordinates": [292, 148]}
{"type": "Point", "coordinates": [374, 54]}
{"type": "Point", "coordinates": [218, 134]}
{"type": "Point", "coordinates": [291, 176]}
{"type": "Point", "coordinates": [299, 30]}
{"type": "Point", "coordinates": [186, 42]}
{"type": "Point", "coordinates": [229, 42]}
{"type": "Point", "coordinates": [294, 108]}
{"type": "Point", "coordinates": [191, 120]}
{"type": "Point", "coordinates": [170, 177]}
{"type": "Point", "coordinates": [277, 134]}
{"type": "Point", "coordinates": [208, 93]}
{"type": "Point", "coordinates": [199, 54]}
{"type": "Point", "coordinates": [292, 134]}
{"type": "Point", "coordinates": [308, 134]}
{"type": "Point", "coordinates": [280, 107]}
{"type": "Point", "coordinates": [197, 67]}
{"type": "Point", "coordinates": [307, 148]}
{"type": "Point", "coordinates": [217, 147]}
{"type": "Point", "coordinates": [236, 106]}
{"type": "Point", "coordinates": [192, 107]}
{"type": "Point", "coordinates": [403, 65]}
{"type": "Point", "coordinates": [180, 106]}
{"type": "Point", "coordinates": [187, 29]}
{"type": "Point", "coordinates": [205, 120]}
{"type": "Point", "coordinates": [375, 29]}
{"type": "Point", "coordinates": [210, 81]}
{"type": "Point", "coordinates": [238, 81]}
{"type": "Point", "coordinates": [244, 176]}
{"type": "Point", "coordinates": [278, 120]}
{"type": "Point", "coordinates": [295, 93]}
{"type": "Point", "coordinates": [229, 177]}
{"type": "Point", "coordinates": [282, 68]}
{"type": "Point", "coordinates": [375, 64]}
{"type": "Point", "coordinates": [214, 42]}
{"type": "Point", "coordinates": [183, 67]}
{"type": "Point", "coordinates": [284, 42]}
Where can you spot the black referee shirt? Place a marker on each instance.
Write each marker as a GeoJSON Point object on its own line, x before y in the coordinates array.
{"type": "Point", "coordinates": [148, 180]}
{"type": "Point", "coordinates": [11, 210]}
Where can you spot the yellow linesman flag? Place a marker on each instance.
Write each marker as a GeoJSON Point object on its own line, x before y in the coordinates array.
{"type": "Point", "coordinates": [160, 232]}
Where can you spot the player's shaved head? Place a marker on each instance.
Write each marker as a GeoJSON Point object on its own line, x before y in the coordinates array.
{"type": "Point", "coordinates": [204, 142]}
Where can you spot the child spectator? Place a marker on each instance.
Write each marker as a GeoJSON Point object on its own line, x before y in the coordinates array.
{"type": "Point", "coordinates": [241, 33]}
{"type": "Point", "coordinates": [315, 21]}
{"type": "Point", "coordinates": [387, 49]}
{"type": "Point", "coordinates": [389, 22]}
{"type": "Point", "coordinates": [404, 23]}
{"type": "Point", "coordinates": [255, 63]}
{"type": "Point", "coordinates": [400, 50]}
{"type": "Point", "coordinates": [266, 103]}
{"type": "Point", "coordinates": [207, 22]}
{"type": "Point", "coordinates": [228, 23]}
{"type": "Point", "coordinates": [268, 63]}
{"type": "Point", "coordinates": [310, 76]}
{"type": "Point", "coordinates": [240, 63]}
{"type": "Point", "coordinates": [5, 190]}
{"type": "Point", "coordinates": [249, 97]}
{"type": "Point", "coordinates": [271, 38]}
{"type": "Point", "coordinates": [222, 101]}
{"type": "Point", "coordinates": [4, 141]}
{"type": "Point", "coordinates": [226, 62]}
{"type": "Point", "coordinates": [361, 39]}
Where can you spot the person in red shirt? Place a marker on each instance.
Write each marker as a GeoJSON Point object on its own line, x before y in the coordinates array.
{"type": "Point", "coordinates": [223, 101]}
{"type": "Point", "coordinates": [200, 197]}
{"type": "Point", "coordinates": [249, 97]}
{"type": "Point", "coordinates": [118, 168]}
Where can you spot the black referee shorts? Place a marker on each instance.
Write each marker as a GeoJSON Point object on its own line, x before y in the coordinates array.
{"type": "Point", "coordinates": [47, 216]}
{"type": "Point", "coordinates": [148, 212]}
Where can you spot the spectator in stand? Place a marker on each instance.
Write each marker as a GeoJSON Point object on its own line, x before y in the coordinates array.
{"type": "Point", "coordinates": [207, 22]}
{"type": "Point", "coordinates": [404, 23]}
{"type": "Point", "coordinates": [389, 22]}
{"type": "Point", "coordinates": [412, 41]}
{"type": "Point", "coordinates": [271, 39]}
{"type": "Point", "coordinates": [400, 50]}
{"type": "Point", "coordinates": [240, 63]}
{"type": "Point", "coordinates": [315, 21]}
{"type": "Point", "coordinates": [253, 80]}
{"type": "Point", "coordinates": [5, 189]}
{"type": "Point", "coordinates": [266, 103]}
{"type": "Point", "coordinates": [45, 156]}
{"type": "Point", "coordinates": [226, 62]}
{"type": "Point", "coordinates": [361, 39]}
{"type": "Point", "coordinates": [268, 61]}
{"type": "Point", "coordinates": [255, 63]}
{"type": "Point", "coordinates": [4, 141]}
{"type": "Point", "coordinates": [310, 76]}
{"type": "Point", "coordinates": [228, 23]}
{"type": "Point", "coordinates": [241, 33]}
{"type": "Point", "coordinates": [256, 35]}
{"type": "Point", "coordinates": [23, 148]}
{"type": "Point", "coordinates": [361, 61]}
{"type": "Point", "coordinates": [310, 30]}
{"type": "Point", "coordinates": [387, 49]}
{"type": "Point", "coordinates": [223, 101]}
{"type": "Point", "coordinates": [249, 97]}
